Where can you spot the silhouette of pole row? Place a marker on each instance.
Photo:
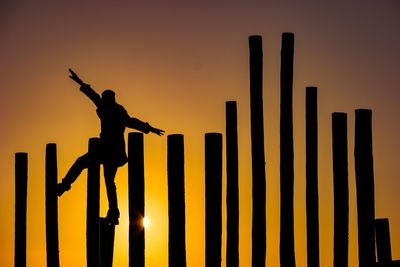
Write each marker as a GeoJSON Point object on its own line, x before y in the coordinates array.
{"type": "Point", "coordinates": [232, 186]}
{"type": "Point", "coordinates": [213, 188]}
{"type": "Point", "coordinates": [93, 206]}
{"type": "Point", "coordinates": [373, 234]}
{"type": "Point", "coordinates": [363, 161]}
{"type": "Point", "coordinates": [383, 246]}
{"type": "Point", "coordinates": [106, 239]}
{"type": "Point", "coordinates": [21, 186]}
{"type": "Point", "coordinates": [259, 245]}
{"type": "Point", "coordinates": [340, 189]}
{"type": "Point", "coordinates": [51, 206]}
{"type": "Point", "coordinates": [136, 200]}
{"type": "Point", "coordinates": [176, 201]}
{"type": "Point", "coordinates": [312, 177]}
{"type": "Point", "coordinates": [287, 255]}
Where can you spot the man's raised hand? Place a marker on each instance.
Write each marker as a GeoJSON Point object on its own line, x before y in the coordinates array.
{"type": "Point", "coordinates": [157, 131]}
{"type": "Point", "coordinates": [76, 78]}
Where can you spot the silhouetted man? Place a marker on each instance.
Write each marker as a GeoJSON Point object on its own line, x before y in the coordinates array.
{"type": "Point", "coordinates": [114, 119]}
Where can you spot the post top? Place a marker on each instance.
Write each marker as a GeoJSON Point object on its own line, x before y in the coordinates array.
{"type": "Point", "coordinates": [363, 112]}
{"type": "Point", "coordinates": [339, 115]}
{"type": "Point", "coordinates": [133, 134]}
{"type": "Point", "coordinates": [287, 41]}
{"type": "Point", "coordinates": [288, 35]}
{"type": "Point", "coordinates": [175, 136]}
{"type": "Point", "coordinates": [213, 135]}
{"type": "Point", "coordinates": [255, 37]}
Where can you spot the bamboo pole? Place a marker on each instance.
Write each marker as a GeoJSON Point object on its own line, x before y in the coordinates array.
{"type": "Point", "coordinates": [287, 254]}
{"type": "Point", "coordinates": [312, 177]}
{"type": "Point", "coordinates": [213, 185]}
{"type": "Point", "coordinates": [136, 200]}
{"type": "Point", "coordinates": [53, 258]}
{"type": "Point", "coordinates": [232, 186]}
{"type": "Point", "coordinates": [21, 188]}
{"type": "Point", "coordinates": [107, 236]}
{"type": "Point", "coordinates": [93, 205]}
{"type": "Point", "coordinates": [341, 189]}
{"type": "Point", "coordinates": [176, 201]}
{"type": "Point", "coordinates": [383, 246]}
{"type": "Point", "coordinates": [257, 152]}
{"type": "Point", "coordinates": [365, 187]}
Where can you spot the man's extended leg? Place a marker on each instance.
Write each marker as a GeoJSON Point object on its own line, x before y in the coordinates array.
{"type": "Point", "coordinates": [110, 171]}
{"type": "Point", "coordinates": [73, 173]}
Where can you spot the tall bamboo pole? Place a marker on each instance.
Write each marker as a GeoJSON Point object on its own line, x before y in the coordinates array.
{"type": "Point", "coordinates": [365, 187]}
{"type": "Point", "coordinates": [21, 188]}
{"type": "Point", "coordinates": [53, 258]}
{"type": "Point", "coordinates": [107, 236]}
{"type": "Point", "coordinates": [136, 200]}
{"type": "Point", "coordinates": [287, 255]}
{"type": "Point", "coordinates": [259, 244]}
{"type": "Point", "coordinates": [176, 201]}
{"type": "Point", "coordinates": [232, 186]}
{"type": "Point", "coordinates": [93, 205]}
{"type": "Point", "coordinates": [213, 181]}
{"type": "Point", "coordinates": [341, 189]}
{"type": "Point", "coordinates": [312, 177]}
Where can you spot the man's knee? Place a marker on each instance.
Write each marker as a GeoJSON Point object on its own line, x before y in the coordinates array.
{"type": "Point", "coordinates": [110, 172]}
{"type": "Point", "coordinates": [83, 161]}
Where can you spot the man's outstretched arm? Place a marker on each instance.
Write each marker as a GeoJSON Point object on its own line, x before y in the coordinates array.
{"type": "Point", "coordinates": [143, 126]}
{"type": "Point", "coordinates": [86, 89]}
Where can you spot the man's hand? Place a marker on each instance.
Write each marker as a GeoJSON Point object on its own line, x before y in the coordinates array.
{"type": "Point", "coordinates": [158, 132]}
{"type": "Point", "coordinates": [75, 77]}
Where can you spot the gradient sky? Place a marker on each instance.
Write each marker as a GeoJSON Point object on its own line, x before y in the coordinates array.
{"type": "Point", "coordinates": [174, 64]}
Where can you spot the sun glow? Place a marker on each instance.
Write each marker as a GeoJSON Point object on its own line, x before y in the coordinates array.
{"type": "Point", "coordinates": [146, 222]}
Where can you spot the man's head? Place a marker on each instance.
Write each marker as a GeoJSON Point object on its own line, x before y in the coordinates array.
{"type": "Point", "coordinates": [108, 96]}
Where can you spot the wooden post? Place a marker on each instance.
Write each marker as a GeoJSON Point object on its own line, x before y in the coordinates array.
{"type": "Point", "coordinates": [232, 186]}
{"type": "Point", "coordinates": [312, 177]}
{"type": "Point", "coordinates": [176, 201]}
{"type": "Point", "coordinates": [259, 234]}
{"type": "Point", "coordinates": [365, 187]}
{"type": "Point", "coordinates": [107, 236]}
{"type": "Point", "coordinates": [53, 259]}
{"type": "Point", "coordinates": [213, 179]}
{"type": "Point", "coordinates": [287, 256]}
{"type": "Point", "coordinates": [21, 187]}
{"type": "Point", "coordinates": [136, 199]}
{"type": "Point", "coordinates": [383, 247]}
{"type": "Point", "coordinates": [93, 206]}
{"type": "Point", "coordinates": [341, 189]}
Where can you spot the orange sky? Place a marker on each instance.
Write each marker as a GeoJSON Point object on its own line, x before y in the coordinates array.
{"type": "Point", "coordinates": [174, 65]}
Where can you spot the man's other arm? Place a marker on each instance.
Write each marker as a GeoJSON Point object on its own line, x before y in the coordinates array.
{"type": "Point", "coordinates": [144, 127]}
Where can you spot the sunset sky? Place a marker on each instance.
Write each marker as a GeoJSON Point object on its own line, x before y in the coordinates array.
{"type": "Point", "coordinates": [174, 64]}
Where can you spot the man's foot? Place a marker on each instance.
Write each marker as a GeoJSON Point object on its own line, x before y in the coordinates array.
{"type": "Point", "coordinates": [62, 188]}
{"type": "Point", "coordinates": [113, 216]}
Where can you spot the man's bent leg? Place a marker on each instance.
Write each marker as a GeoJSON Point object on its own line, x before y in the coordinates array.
{"type": "Point", "coordinates": [110, 171]}
{"type": "Point", "coordinates": [76, 169]}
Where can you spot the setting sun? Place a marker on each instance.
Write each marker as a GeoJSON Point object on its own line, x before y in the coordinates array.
{"type": "Point", "coordinates": [146, 222]}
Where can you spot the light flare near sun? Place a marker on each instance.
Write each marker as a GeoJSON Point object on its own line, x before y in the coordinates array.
{"type": "Point", "coordinates": [146, 222]}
